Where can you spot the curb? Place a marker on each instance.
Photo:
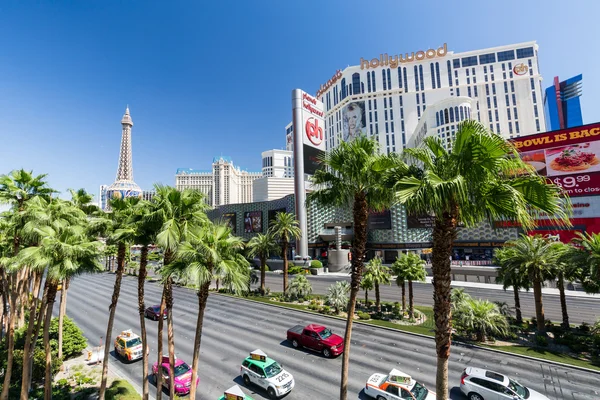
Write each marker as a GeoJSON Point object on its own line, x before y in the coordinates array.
{"type": "Point", "coordinates": [420, 335]}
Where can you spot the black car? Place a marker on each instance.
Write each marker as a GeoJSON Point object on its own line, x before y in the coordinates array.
{"type": "Point", "coordinates": [153, 312]}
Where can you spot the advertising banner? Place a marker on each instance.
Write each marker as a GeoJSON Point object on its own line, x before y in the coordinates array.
{"type": "Point", "coordinates": [354, 119]}
{"type": "Point", "coordinates": [313, 137]}
{"type": "Point", "coordinates": [380, 220]}
{"type": "Point", "coordinates": [253, 221]}
{"type": "Point", "coordinates": [569, 157]}
{"type": "Point", "coordinates": [230, 219]}
{"type": "Point", "coordinates": [420, 221]}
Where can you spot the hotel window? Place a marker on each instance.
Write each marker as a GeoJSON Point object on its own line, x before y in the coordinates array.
{"type": "Point", "coordinates": [530, 67]}
{"type": "Point", "coordinates": [490, 116]}
{"type": "Point", "coordinates": [485, 77]}
{"type": "Point", "coordinates": [495, 102]}
{"type": "Point", "coordinates": [496, 114]}
{"type": "Point", "coordinates": [421, 77]}
{"type": "Point", "coordinates": [487, 58]}
{"type": "Point", "coordinates": [405, 80]}
{"type": "Point", "coordinates": [385, 114]}
{"type": "Point", "coordinates": [512, 86]}
{"type": "Point", "coordinates": [437, 74]}
{"type": "Point", "coordinates": [418, 111]}
{"type": "Point", "coordinates": [489, 103]}
{"type": "Point", "coordinates": [469, 91]}
{"type": "Point", "coordinates": [446, 117]}
{"type": "Point", "coordinates": [537, 124]}
{"type": "Point", "coordinates": [417, 99]}
{"type": "Point", "coordinates": [369, 81]}
{"type": "Point", "coordinates": [402, 112]}
{"type": "Point", "coordinates": [437, 118]}
{"type": "Point", "coordinates": [456, 63]}
{"type": "Point", "coordinates": [387, 130]}
{"type": "Point", "coordinates": [506, 55]}
{"type": "Point", "coordinates": [468, 81]}
{"type": "Point", "coordinates": [391, 111]}
{"type": "Point", "coordinates": [467, 72]}
{"type": "Point", "coordinates": [376, 119]}
{"type": "Point", "coordinates": [475, 87]}
{"type": "Point", "coordinates": [516, 114]}
{"type": "Point", "coordinates": [416, 77]}
{"type": "Point", "coordinates": [400, 77]}
{"type": "Point", "coordinates": [423, 99]}
{"type": "Point", "coordinates": [510, 128]}
{"type": "Point", "coordinates": [400, 97]}
{"type": "Point", "coordinates": [432, 75]}
{"type": "Point", "coordinates": [373, 81]}
{"type": "Point", "coordinates": [356, 82]}
{"type": "Point", "coordinates": [508, 113]}
{"type": "Point", "coordinates": [343, 88]}
{"type": "Point", "coordinates": [535, 111]}
{"type": "Point", "coordinates": [505, 87]}
{"type": "Point", "coordinates": [487, 89]}
{"type": "Point", "coordinates": [392, 126]}
{"type": "Point", "coordinates": [525, 52]}
{"type": "Point", "coordinates": [494, 89]}
{"type": "Point", "coordinates": [517, 127]}
{"type": "Point", "coordinates": [469, 61]}
{"type": "Point", "coordinates": [389, 76]}
{"type": "Point", "coordinates": [385, 103]}
{"type": "Point", "coordinates": [449, 73]}
{"type": "Point", "coordinates": [498, 128]}
{"type": "Point", "coordinates": [451, 114]}
{"type": "Point", "coordinates": [384, 79]}
{"type": "Point", "coordinates": [457, 91]}
{"type": "Point", "coordinates": [534, 97]}
{"type": "Point", "coordinates": [350, 89]}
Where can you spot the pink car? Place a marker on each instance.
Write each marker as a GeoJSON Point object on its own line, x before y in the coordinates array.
{"type": "Point", "coordinates": [182, 375]}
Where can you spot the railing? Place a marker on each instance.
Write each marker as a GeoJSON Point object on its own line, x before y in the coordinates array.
{"type": "Point", "coordinates": [469, 263]}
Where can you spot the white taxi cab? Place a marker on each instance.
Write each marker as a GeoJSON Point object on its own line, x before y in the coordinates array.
{"type": "Point", "coordinates": [266, 373]}
{"type": "Point", "coordinates": [396, 386]}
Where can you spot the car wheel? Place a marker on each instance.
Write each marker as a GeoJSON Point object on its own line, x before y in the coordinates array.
{"type": "Point", "coordinates": [117, 355]}
{"type": "Point", "coordinates": [326, 352]}
{"type": "Point", "coordinates": [295, 343]}
{"type": "Point", "coordinates": [246, 380]}
{"type": "Point", "coordinates": [475, 396]}
{"type": "Point", "coordinates": [155, 379]}
{"type": "Point", "coordinates": [271, 393]}
{"type": "Point", "coordinates": [380, 398]}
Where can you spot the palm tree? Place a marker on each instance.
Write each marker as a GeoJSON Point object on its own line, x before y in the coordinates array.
{"type": "Point", "coordinates": [588, 256]}
{"type": "Point", "coordinates": [366, 284]}
{"type": "Point", "coordinates": [337, 295]}
{"type": "Point", "coordinates": [379, 274]}
{"type": "Point", "coordinates": [415, 271]}
{"type": "Point", "coordinates": [481, 178]}
{"type": "Point", "coordinates": [261, 246]}
{"type": "Point", "coordinates": [510, 274]}
{"type": "Point", "coordinates": [300, 287]}
{"type": "Point", "coordinates": [538, 258]}
{"type": "Point", "coordinates": [121, 213]}
{"type": "Point", "coordinates": [178, 212]}
{"type": "Point", "coordinates": [398, 268]}
{"type": "Point", "coordinates": [211, 251]}
{"type": "Point", "coordinates": [482, 317]}
{"type": "Point", "coordinates": [285, 228]}
{"type": "Point", "coordinates": [353, 176]}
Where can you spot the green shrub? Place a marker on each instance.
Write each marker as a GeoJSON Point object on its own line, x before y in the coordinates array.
{"type": "Point", "coordinates": [267, 269]}
{"type": "Point", "coordinates": [121, 390]}
{"type": "Point", "coordinates": [584, 327]}
{"type": "Point", "coordinates": [295, 270]}
{"type": "Point", "coordinates": [364, 315]}
{"type": "Point", "coordinates": [316, 264]}
{"type": "Point", "coordinates": [326, 310]}
{"type": "Point", "coordinates": [73, 340]}
{"type": "Point", "coordinates": [541, 340]}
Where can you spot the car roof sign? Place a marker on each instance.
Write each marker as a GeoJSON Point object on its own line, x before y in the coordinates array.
{"type": "Point", "coordinates": [258, 355]}
{"type": "Point", "coordinates": [399, 377]}
{"type": "Point", "coordinates": [234, 393]}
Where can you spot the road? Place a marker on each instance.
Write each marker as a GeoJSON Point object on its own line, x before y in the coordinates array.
{"type": "Point", "coordinates": [234, 327]}
{"type": "Point", "coordinates": [580, 308]}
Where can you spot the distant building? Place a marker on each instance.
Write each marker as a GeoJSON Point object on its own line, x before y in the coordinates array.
{"type": "Point", "coordinates": [561, 103]}
{"type": "Point", "coordinates": [148, 194]}
{"type": "Point", "coordinates": [277, 179]}
{"type": "Point", "coordinates": [225, 184]}
{"type": "Point", "coordinates": [103, 200]}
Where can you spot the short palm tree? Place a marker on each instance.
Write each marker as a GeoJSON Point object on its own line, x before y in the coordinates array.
{"type": "Point", "coordinates": [300, 287]}
{"type": "Point", "coordinates": [262, 246]}
{"type": "Point", "coordinates": [337, 296]}
{"type": "Point", "coordinates": [414, 272]}
{"type": "Point", "coordinates": [379, 274]}
{"type": "Point", "coordinates": [366, 284]}
{"type": "Point", "coordinates": [285, 228]}
{"type": "Point", "coordinates": [398, 268]}
{"type": "Point", "coordinates": [211, 251]}
{"type": "Point", "coordinates": [511, 274]}
{"type": "Point", "coordinates": [481, 317]}
{"type": "Point", "coordinates": [481, 178]}
{"type": "Point", "coordinates": [353, 176]}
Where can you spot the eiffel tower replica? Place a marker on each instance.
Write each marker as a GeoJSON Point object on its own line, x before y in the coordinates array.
{"type": "Point", "coordinates": [124, 186]}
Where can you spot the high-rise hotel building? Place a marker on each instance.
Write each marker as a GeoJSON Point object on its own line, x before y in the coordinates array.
{"type": "Point", "coordinates": [385, 96]}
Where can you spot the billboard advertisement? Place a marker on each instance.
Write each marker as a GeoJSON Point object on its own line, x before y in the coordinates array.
{"type": "Point", "coordinates": [353, 116]}
{"type": "Point", "coordinates": [420, 221]}
{"type": "Point", "coordinates": [313, 133]}
{"type": "Point", "coordinates": [230, 220]}
{"type": "Point", "coordinates": [569, 157]}
{"type": "Point", "coordinates": [380, 220]}
{"type": "Point", "coordinates": [253, 221]}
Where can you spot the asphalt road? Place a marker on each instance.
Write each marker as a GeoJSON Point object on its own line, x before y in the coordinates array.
{"type": "Point", "coordinates": [234, 327]}
{"type": "Point", "coordinates": [580, 308]}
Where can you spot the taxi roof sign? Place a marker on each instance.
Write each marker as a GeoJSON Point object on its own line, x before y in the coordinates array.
{"type": "Point", "coordinates": [399, 377]}
{"type": "Point", "coordinates": [258, 355]}
{"type": "Point", "coordinates": [234, 393]}
{"type": "Point", "coordinates": [127, 333]}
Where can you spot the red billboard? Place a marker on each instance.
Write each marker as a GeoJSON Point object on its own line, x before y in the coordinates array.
{"type": "Point", "coordinates": [568, 157]}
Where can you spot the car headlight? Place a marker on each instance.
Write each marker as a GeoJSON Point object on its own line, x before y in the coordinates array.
{"type": "Point", "coordinates": [179, 385]}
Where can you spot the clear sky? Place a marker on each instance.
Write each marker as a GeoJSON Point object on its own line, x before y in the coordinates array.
{"type": "Point", "coordinates": [211, 78]}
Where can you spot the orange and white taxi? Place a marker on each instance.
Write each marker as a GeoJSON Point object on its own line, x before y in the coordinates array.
{"type": "Point", "coordinates": [128, 346]}
{"type": "Point", "coordinates": [396, 386]}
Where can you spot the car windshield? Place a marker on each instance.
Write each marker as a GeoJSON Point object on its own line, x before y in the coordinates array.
{"type": "Point", "coordinates": [325, 333]}
{"type": "Point", "coordinates": [134, 342]}
{"type": "Point", "coordinates": [419, 391]}
{"type": "Point", "coordinates": [156, 309]}
{"type": "Point", "coordinates": [181, 369]}
{"type": "Point", "coordinates": [272, 370]}
{"type": "Point", "coordinates": [518, 389]}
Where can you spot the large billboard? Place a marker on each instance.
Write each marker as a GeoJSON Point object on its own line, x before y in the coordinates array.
{"type": "Point", "coordinates": [253, 222]}
{"type": "Point", "coordinates": [420, 221]}
{"type": "Point", "coordinates": [354, 121]}
{"type": "Point", "coordinates": [313, 138]}
{"type": "Point", "coordinates": [568, 157]}
{"type": "Point", "coordinates": [380, 220]}
{"type": "Point", "coordinates": [229, 219]}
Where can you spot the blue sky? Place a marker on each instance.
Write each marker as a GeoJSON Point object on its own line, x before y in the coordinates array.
{"type": "Point", "coordinates": [204, 79]}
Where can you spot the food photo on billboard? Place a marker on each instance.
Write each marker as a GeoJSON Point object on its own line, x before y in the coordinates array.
{"type": "Point", "coordinates": [252, 221]}
{"type": "Point", "coordinates": [353, 116]}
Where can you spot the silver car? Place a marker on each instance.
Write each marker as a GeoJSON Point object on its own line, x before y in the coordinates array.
{"type": "Point", "coordinates": [481, 384]}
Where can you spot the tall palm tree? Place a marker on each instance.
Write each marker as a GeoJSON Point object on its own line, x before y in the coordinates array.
{"type": "Point", "coordinates": [16, 189]}
{"type": "Point", "coordinates": [261, 246]}
{"type": "Point", "coordinates": [538, 258]}
{"type": "Point", "coordinates": [285, 228]}
{"type": "Point", "coordinates": [211, 251]}
{"type": "Point", "coordinates": [588, 256]}
{"type": "Point", "coordinates": [379, 274]}
{"type": "Point", "coordinates": [481, 178]}
{"type": "Point", "coordinates": [121, 213]}
{"type": "Point", "coordinates": [178, 212]}
{"type": "Point", "coordinates": [414, 271]}
{"type": "Point", "coordinates": [511, 274]}
{"type": "Point", "coordinates": [568, 268]}
{"type": "Point", "coordinates": [352, 176]}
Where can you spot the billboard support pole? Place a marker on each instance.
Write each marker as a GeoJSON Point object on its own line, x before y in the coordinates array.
{"type": "Point", "coordinates": [299, 189]}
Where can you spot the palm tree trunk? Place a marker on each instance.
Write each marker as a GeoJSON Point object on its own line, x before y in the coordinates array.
{"type": "Point", "coordinates": [14, 296]}
{"type": "Point", "coordinates": [23, 297]}
{"type": "Point", "coordinates": [411, 307]}
{"type": "Point", "coordinates": [61, 315]}
{"type": "Point", "coordinates": [403, 297]}
{"type": "Point", "coordinates": [360, 214]}
{"type": "Point", "coordinates": [202, 298]}
{"type": "Point", "coordinates": [37, 284]}
{"type": "Point", "coordinates": [539, 306]}
{"type": "Point", "coordinates": [518, 314]}
{"type": "Point", "coordinates": [284, 249]}
{"type": "Point", "coordinates": [36, 333]}
{"type": "Point", "coordinates": [377, 299]}
{"type": "Point", "coordinates": [444, 234]}
{"type": "Point", "coordinates": [367, 298]}
{"type": "Point", "coordinates": [563, 300]}
{"type": "Point", "coordinates": [170, 338]}
{"type": "Point", "coordinates": [161, 324]}
{"type": "Point", "coordinates": [111, 318]}
{"type": "Point", "coordinates": [50, 304]}
{"type": "Point", "coordinates": [141, 310]}
{"type": "Point", "coordinates": [263, 277]}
